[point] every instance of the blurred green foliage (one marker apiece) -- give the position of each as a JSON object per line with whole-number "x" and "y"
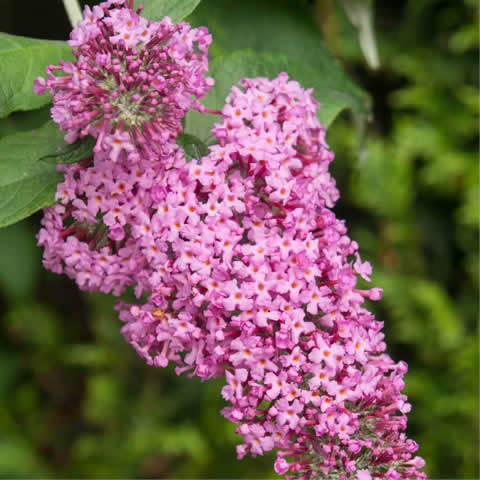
{"x": 76, "y": 401}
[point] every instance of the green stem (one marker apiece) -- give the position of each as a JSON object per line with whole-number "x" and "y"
{"x": 73, "y": 10}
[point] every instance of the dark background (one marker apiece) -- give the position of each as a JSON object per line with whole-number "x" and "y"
{"x": 76, "y": 400}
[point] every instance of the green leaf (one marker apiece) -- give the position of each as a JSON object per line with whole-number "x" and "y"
{"x": 73, "y": 152}
{"x": 264, "y": 25}
{"x": 28, "y": 175}
{"x": 175, "y": 9}
{"x": 19, "y": 262}
{"x": 334, "y": 94}
{"x": 19, "y": 459}
{"x": 24, "y": 121}
{"x": 36, "y": 324}
{"x": 22, "y": 60}
{"x": 280, "y": 26}
{"x": 192, "y": 146}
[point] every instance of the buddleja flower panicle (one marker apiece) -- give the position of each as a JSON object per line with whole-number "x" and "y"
{"x": 259, "y": 286}
{"x": 132, "y": 82}
{"x": 92, "y": 234}
{"x": 250, "y": 275}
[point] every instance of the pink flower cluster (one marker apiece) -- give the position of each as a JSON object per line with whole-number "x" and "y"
{"x": 96, "y": 233}
{"x": 132, "y": 82}
{"x": 260, "y": 286}
{"x": 249, "y": 273}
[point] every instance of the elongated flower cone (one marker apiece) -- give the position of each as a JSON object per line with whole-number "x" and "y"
{"x": 259, "y": 285}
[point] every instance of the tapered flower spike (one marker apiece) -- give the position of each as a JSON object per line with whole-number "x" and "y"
{"x": 260, "y": 287}
{"x": 251, "y": 275}
{"x": 132, "y": 81}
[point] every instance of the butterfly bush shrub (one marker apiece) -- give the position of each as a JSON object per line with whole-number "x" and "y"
{"x": 241, "y": 268}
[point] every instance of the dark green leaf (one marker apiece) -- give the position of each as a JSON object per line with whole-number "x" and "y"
{"x": 21, "y": 61}
{"x": 36, "y": 324}
{"x": 265, "y": 25}
{"x": 28, "y": 175}
{"x": 24, "y": 121}
{"x": 75, "y": 152}
{"x": 333, "y": 94}
{"x": 19, "y": 261}
{"x": 192, "y": 146}
{"x": 175, "y": 9}
{"x": 9, "y": 369}
{"x": 286, "y": 27}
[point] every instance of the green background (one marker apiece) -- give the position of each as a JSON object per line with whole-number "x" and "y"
{"x": 76, "y": 400}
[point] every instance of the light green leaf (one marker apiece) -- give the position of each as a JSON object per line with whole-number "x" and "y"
{"x": 28, "y": 175}
{"x": 22, "y": 60}
{"x": 192, "y": 146}
{"x": 177, "y": 10}
{"x": 19, "y": 459}
{"x": 333, "y": 93}
{"x": 432, "y": 301}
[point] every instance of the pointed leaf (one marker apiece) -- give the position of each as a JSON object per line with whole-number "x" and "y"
{"x": 74, "y": 152}
{"x": 287, "y": 28}
{"x": 282, "y": 26}
{"x": 28, "y": 174}
{"x": 24, "y": 121}
{"x": 192, "y": 146}
{"x": 22, "y": 60}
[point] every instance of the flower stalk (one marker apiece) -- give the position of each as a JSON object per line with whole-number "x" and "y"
{"x": 74, "y": 12}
